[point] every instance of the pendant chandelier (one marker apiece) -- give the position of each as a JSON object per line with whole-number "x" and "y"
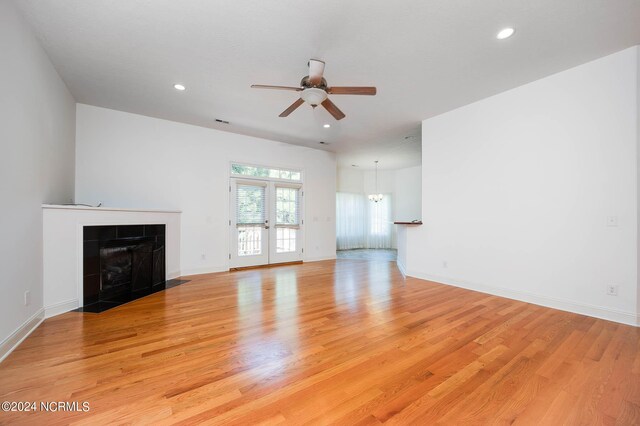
{"x": 377, "y": 196}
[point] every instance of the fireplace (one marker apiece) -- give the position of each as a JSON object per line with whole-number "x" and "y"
{"x": 121, "y": 263}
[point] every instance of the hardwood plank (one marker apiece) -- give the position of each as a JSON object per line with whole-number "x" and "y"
{"x": 332, "y": 342}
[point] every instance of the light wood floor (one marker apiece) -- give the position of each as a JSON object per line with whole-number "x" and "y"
{"x": 347, "y": 342}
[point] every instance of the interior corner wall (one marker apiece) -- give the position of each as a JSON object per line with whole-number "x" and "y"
{"x": 520, "y": 191}
{"x": 37, "y": 118}
{"x": 129, "y": 160}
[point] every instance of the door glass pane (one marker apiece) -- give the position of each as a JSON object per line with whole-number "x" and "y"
{"x": 250, "y": 200}
{"x": 285, "y": 240}
{"x": 249, "y": 240}
{"x": 250, "y": 218}
{"x": 287, "y": 206}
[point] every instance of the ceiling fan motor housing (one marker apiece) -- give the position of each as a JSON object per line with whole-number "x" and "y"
{"x": 305, "y": 83}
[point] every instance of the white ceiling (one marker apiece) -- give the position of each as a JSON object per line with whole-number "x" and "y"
{"x": 425, "y": 56}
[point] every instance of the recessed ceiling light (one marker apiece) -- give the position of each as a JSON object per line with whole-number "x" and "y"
{"x": 505, "y": 33}
{"x": 179, "y": 86}
{"x": 326, "y": 126}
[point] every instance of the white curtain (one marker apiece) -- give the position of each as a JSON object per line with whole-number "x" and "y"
{"x": 351, "y": 213}
{"x": 379, "y": 223}
{"x": 361, "y": 223}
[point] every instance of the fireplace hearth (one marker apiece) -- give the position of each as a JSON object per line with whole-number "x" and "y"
{"x": 121, "y": 263}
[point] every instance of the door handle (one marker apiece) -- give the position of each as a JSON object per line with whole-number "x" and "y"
{"x": 266, "y": 227}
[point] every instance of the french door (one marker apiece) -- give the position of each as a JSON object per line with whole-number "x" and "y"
{"x": 265, "y": 222}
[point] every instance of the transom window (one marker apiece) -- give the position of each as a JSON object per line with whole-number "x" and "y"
{"x": 266, "y": 172}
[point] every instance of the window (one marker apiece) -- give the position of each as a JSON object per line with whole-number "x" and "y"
{"x": 287, "y": 218}
{"x": 265, "y": 172}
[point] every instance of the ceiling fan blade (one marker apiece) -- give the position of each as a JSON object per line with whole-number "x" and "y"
{"x": 264, "y": 86}
{"x": 292, "y": 108}
{"x": 333, "y": 109}
{"x": 316, "y": 70}
{"x": 352, "y": 90}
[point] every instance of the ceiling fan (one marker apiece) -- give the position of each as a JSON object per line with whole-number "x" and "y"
{"x": 314, "y": 91}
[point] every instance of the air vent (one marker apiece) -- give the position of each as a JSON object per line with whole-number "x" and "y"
{"x": 323, "y": 143}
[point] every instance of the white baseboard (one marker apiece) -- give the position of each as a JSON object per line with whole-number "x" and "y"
{"x": 319, "y": 259}
{"x": 629, "y": 318}
{"x": 172, "y": 275}
{"x": 60, "y": 308}
{"x": 10, "y": 343}
{"x": 200, "y": 271}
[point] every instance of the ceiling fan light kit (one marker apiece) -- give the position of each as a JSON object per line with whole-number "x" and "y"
{"x": 314, "y": 90}
{"x": 313, "y": 96}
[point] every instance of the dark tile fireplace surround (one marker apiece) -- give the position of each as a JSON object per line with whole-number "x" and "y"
{"x": 121, "y": 263}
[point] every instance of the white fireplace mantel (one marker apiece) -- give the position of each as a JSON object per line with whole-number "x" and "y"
{"x": 62, "y": 247}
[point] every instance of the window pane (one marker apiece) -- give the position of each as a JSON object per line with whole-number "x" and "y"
{"x": 262, "y": 171}
{"x": 286, "y": 240}
{"x": 267, "y": 172}
{"x": 287, "y": 207}
{"x": 285, "y": 174}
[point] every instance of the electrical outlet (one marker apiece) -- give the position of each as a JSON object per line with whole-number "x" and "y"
{"x": 203, "y": 256}
{"x": 612, "y": 289}
{"x": 612, "y": 221}
{"x": 445, "y": 264}
{"x": 27, "y": 298}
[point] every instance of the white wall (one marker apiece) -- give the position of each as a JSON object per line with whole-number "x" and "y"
{"x": 407, "y": 202}
{"x": 37, "y": 121}
{"x": 517, "y": 189}
{"x": 386, "y": 182}
{"x": 128, "y": 160}
{"x": 350, "y": 180}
